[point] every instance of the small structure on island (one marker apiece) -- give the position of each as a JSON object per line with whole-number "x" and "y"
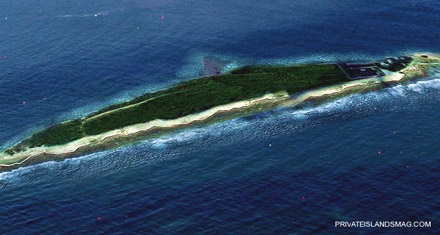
{"x": 356, "y": 71}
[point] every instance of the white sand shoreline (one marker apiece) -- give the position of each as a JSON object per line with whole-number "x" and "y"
{"x": 72, "y": 147}
{"x": 280, "y": 98}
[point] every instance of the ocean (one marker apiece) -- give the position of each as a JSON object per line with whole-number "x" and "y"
{"x": 365, "y": 157}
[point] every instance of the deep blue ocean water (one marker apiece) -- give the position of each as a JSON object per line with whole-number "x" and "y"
{"x": 283, "y": 171}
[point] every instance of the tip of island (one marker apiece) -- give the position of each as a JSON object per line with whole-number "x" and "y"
{"x": 209, "y": 99}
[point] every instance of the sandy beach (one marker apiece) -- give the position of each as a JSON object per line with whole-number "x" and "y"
{"x": 72, "y": 147}
{"x": 282, "y": 98}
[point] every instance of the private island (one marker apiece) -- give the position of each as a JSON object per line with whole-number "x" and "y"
{"x": 209, "y": 99}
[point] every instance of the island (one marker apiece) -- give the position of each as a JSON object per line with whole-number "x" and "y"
{"x": 204, "y": 100}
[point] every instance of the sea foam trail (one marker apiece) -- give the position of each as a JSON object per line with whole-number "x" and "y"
{"x": 88, "y": 15}
{"x": 257, "y": 127}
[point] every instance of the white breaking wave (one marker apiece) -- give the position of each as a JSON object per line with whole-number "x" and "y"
{"x": 228, "y": 132}
{"x": 96, "y": 14}
{"x": 184, "y": 136}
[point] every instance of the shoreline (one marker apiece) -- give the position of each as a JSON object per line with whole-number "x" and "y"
{"x": 82, "y": 145}
{"x": 118, "y": 137}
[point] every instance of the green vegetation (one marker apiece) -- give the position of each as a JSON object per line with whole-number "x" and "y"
{"x": 191, "y": 97}
{"x": 58, "y": 134}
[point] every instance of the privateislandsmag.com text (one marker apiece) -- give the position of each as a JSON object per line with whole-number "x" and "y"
{"x": 382, "y": 224}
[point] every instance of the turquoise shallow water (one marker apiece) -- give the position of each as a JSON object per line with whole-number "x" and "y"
{"x": 323, "y": 163}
